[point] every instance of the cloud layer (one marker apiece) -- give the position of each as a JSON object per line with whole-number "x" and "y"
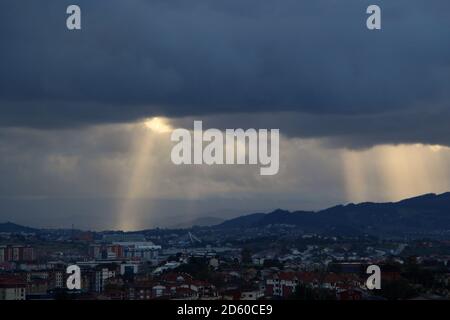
{"x": 140, "y": 58}
{"x": 121, "y": 176}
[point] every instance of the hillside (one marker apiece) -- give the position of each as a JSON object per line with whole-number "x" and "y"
{"x": 428, "y": 213}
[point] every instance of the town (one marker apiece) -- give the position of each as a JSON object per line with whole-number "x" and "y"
{"x": 273, "y": 262}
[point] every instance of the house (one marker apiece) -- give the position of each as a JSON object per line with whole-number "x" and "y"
{"x": 13, "y": 288}
{"x": 281, "y": 284}
{"x": 254, "y": 294}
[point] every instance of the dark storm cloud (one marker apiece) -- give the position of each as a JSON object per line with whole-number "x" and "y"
{"x": 176, "y": 58}
{"x": 348, "y": 131}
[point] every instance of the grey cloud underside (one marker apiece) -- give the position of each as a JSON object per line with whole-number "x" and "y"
{"x": 348, "y": 131}
{"x": 312, "y": 59}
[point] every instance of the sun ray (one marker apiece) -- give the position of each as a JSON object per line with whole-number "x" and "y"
{"x": 142, "y": 173}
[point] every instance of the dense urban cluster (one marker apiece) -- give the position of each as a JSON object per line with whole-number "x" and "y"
{"x": 203, "y": 263}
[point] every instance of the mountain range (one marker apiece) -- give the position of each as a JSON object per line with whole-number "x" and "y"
{"x": 429, "y": 213}
{"x": 425, "y": 214}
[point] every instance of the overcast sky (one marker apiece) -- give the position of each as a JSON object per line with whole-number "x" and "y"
{"x": 364, "y": 115}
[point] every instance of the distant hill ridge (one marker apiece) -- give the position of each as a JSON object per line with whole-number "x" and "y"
{"x": 426, "y": 213}
{"x": 10, "y": 227}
